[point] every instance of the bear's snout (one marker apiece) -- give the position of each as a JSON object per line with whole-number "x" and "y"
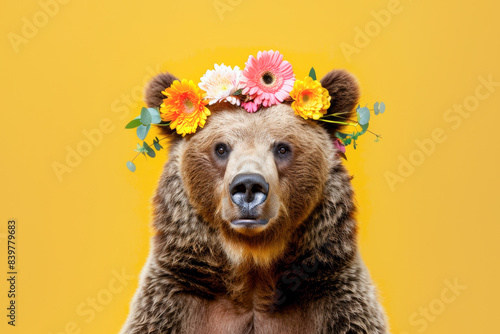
{"x": 248, "y": 191}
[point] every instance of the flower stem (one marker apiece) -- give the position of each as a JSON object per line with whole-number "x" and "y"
{"x": 338, "y": 122}
{"x": 355, "y": 124}
{"x": 135, "y": 157}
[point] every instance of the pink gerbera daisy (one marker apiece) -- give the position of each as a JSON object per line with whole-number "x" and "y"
{"x": 250, "y": 106}
{"x": 268, "y": 78}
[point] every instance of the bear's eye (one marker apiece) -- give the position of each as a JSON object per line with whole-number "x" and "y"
{"x": 282, "y": 151}
{"x": 221, "y": 150}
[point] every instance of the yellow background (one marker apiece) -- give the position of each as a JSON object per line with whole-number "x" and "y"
{"x": 87, "y": 62}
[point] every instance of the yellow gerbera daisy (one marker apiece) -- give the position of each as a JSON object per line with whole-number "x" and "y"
{"x": 184, "y": 107}
{"x": 311, "y": 100}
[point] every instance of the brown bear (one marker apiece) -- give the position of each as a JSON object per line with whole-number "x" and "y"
{"x": 255, "y": 228}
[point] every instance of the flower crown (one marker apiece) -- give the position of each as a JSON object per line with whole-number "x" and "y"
{"x": 266, "y": 80}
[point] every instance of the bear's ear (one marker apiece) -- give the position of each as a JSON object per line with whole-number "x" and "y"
{"x": 344, "y": 91}
{"x": 154, "y": 98}
{"x": 152, "y": 94}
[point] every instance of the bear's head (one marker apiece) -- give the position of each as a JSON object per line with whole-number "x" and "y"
{"x": 256, "y": 177}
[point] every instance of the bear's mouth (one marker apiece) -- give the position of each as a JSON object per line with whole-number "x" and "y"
{"x": 249, "y": 223}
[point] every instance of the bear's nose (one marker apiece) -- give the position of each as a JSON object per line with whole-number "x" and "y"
{"x": 248, "y": 190}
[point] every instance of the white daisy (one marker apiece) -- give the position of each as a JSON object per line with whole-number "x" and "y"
{"x": 221, "y": 83}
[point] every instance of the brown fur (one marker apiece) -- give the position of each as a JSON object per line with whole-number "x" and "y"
{"x": 344, "y": 91}
{"x": 153, "y": 93}
{"x": 304, "y": 177}
{"x": 301, "y": 273}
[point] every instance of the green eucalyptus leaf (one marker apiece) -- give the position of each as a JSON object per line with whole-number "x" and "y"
{"x": 145, "y": 116}
{"x": 133, "y": 124}
{"x": 363, "y": 115}
{"x": 238, "y": 92}
{"x": 312, "y": 73}
{"x": 149, "y": 150}
{"x": 375, "y": 108}
{"x": 157, "y": 145}
{"x": 155, "y": 115}
{"x": 340, "y": 135}
{"x": 382, "y": 107}
{"x": 131, "y": 166}
{"x": 364, "y": 127}
{"x": 142, "y": 131}
{"x": 140, "y": 149}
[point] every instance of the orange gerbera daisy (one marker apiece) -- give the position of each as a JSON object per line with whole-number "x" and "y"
{"x": 184, "y": 107}
{"x": 311, "y": 100}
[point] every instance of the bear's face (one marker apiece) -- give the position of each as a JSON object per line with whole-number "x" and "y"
{"x": 256, "y": 176}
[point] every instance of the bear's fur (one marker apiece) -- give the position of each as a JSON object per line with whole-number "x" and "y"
{"x": 300, "y": 273}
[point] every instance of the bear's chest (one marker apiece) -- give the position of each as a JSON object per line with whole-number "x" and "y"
{"x": 222, "y": 316}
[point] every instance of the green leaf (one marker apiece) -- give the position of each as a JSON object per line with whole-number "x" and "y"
{"x": 149, "y": 150}
{"x": 312, "y": 73}
{"x": 375, "y": 108}
{"x": 382, "y": 107}
{"x": 155, "y": 115}
{"x": 133, "y": 124}
{"x": 238, "y": 92}
{"x": 131, "y": 166}
{"x": 364, "y": 127}
{"x": 145, "y": 116}
{"x": 142, "y": 131}
{"x": 140, "y": 149}
{"x": 157, "y": 145}
{"x": 341, "y": 135}
{"x": 363, "y": 115}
